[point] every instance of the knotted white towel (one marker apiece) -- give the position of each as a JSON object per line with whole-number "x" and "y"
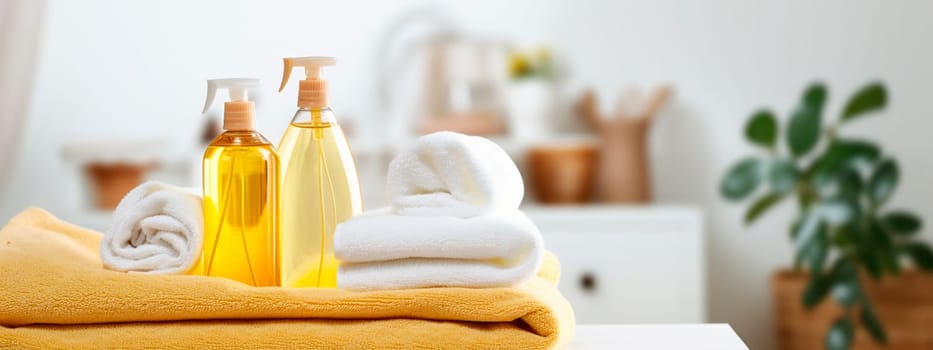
{"x": 156, "y": 229}
{"x": 452, "y": 174}
{"x": 381, "y": 250}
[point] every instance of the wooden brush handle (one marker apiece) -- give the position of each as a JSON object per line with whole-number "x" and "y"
{"x": 657, "y": 101}
{"x": 588, "y": 108}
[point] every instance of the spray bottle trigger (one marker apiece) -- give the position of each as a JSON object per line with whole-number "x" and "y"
{"x": 311, "y": 64}
{"x": 238, "y": 89}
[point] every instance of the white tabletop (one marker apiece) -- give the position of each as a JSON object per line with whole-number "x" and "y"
{"x": 657, "y": 337}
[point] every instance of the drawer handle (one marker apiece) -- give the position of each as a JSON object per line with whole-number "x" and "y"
{"x": 588, "y": 282}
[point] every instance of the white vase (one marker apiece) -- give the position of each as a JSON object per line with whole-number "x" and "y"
{"x": 531, "y": 104}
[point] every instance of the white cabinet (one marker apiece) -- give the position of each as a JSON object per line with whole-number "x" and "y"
{"x": 628, "y": 264}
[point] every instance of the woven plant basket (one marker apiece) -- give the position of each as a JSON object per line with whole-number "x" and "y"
{"x": 904, "y": 305}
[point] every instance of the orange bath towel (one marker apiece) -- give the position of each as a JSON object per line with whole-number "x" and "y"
{"x": 55, "y": 294}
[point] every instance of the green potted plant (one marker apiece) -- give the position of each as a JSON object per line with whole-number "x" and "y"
{"x": 846, "y": 240}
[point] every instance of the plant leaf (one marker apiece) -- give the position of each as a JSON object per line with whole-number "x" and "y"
{"x": 839, "y": 210}
{"x": 846, "y": 291}
{"x": 878, "y": 234}
{"x": 803, "y": 129}
{"x": 845, "y": 152}
{"x": 814, "y": 252}
{"x": 869, "y": 98}
{"x": 792, "y": 232}
{"x": 761, "y": 129}
{"x": 741, "y": 179}
{"x": 901, "y": 222}
{"x": 761, "y": 205}
{"x": 850, "y": 183}
{"x": 795, "y": 226}
{"x": 891, "y": 262}
{"x": 843, "y": 268}
{"x": 872, "y": 323}
{"x": 879, "y": 250}
{"x": 804, "y": 126}
{"x": 815, "y": 95}
{"x": 883, "y": 180}
{"x": 840, "y": 237}
{"x": 841, "y": 157}
{"x": 867, "y": 251}
{"x": 782, "y": 175}
{"x": 816, "y": 290}
{"x": 806, "y": 230}
{"x": 817, "y": 250}
{"x": 921, "y": 254}
{"x": 872, "y": 264}
{"x": 840, "y": 334}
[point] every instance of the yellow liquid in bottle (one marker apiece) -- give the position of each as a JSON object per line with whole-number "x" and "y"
{"x": 320, "y": 189}
{"x": 241, "y": 224}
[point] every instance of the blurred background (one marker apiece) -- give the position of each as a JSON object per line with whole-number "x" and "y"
{"x": 623, "y": 115}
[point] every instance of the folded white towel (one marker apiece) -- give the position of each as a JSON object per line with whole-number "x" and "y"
{"x": 156, "y": 229}
{"x": 381, "y": 250}
{"x": 452, "y": 174}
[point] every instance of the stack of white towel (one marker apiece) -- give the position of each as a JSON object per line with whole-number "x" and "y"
{"x": 453, "y": 222}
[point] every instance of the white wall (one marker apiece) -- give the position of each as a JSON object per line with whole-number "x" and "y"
{"x": 139, "y": 67}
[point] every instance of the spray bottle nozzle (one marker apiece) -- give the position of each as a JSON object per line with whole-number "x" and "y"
{"x": 239, "y": 112}
{"x": 311, "y": 64}
{"x": 312, "y": 91}
{"x": 238, "y": 88}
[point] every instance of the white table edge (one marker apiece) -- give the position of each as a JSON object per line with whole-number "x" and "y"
{"x": 705, "y": 336}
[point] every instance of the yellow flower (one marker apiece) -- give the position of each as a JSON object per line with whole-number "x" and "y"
{"x": 519, "y": 65}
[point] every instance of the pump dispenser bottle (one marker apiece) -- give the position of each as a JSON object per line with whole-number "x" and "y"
{"x": 320, "y": 187}
{"x": 240, "y": 182}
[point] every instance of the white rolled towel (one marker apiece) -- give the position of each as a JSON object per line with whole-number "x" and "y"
{"x": 452, "y": 174}
{"x": 381, "y": 250}
{"x": 156, "y": 229}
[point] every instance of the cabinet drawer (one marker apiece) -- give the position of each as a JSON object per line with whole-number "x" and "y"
{"x": 621, "y": 268}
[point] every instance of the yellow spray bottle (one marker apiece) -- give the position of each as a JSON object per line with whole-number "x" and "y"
{"x": 320, "y": 187}
{"x": 240, "y": 180}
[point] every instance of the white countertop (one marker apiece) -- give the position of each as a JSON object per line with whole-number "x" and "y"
{"x": 657, "y": 337}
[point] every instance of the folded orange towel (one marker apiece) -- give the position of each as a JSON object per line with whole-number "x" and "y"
{"x": 55, "y": 294}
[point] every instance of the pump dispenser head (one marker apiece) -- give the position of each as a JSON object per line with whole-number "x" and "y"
{"x": 240, "y": 111}
{"x": 312, "y": 91}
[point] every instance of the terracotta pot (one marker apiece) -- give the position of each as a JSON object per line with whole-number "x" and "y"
{"x": 904, "y": 305}
{"x": 562, "y": 174}
{"x": 112, "y": 181}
